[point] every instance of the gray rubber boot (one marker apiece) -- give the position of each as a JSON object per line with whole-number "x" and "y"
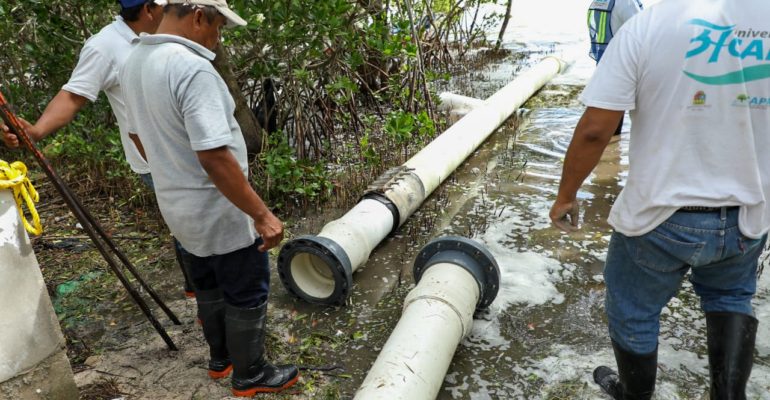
{"x": 252, "y": 374}
{"x": 730, "y": 339}
{"x": 211, "y": 312}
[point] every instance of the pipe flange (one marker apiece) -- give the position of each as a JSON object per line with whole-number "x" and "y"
{"x": 465, "y": 253}
{"x": 333, "y": 258}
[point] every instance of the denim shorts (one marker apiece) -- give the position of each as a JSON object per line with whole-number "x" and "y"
{"x": 643, "y": 273}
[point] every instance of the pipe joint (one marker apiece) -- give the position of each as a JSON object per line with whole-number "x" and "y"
{"x": 401, "y": 190}
{"x": 467, "y": 254}
{"x": 408, "y": 193}
{"x": 316, "y": 269}
{"x": 389, "y": 204}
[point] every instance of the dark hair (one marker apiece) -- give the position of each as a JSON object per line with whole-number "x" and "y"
{"x": 131, "y": 14}
{"x": 182, "y": 10}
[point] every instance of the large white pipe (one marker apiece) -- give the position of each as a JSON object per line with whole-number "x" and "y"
{"x": 454, "y": 277}
{"x": 462, "y": 138}
{"x": 33, "y": 358}
{"x": 308, "y": 265}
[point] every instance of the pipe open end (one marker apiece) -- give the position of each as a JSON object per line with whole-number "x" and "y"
{"x": 465, "y": 253}
{"x": 316, "y": 269}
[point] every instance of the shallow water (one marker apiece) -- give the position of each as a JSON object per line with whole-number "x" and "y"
{"x": 546, "y": 331}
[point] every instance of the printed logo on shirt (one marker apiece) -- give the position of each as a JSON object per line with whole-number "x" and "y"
{"x": 699, "y": 99}
{"x": 716, "y": 41}
{"x": 699, "y": 102}
{"x": 744, "y": 100}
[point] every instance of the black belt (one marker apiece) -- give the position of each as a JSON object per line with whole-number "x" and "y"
{"x": 702, "y": 209}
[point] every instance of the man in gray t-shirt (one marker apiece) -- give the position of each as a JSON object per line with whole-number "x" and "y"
{"x": 197, "y": 158}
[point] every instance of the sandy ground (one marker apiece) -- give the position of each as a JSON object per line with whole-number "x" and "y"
{"x": 142, "y": 367}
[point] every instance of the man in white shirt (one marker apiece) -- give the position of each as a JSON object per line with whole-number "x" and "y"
{"x": 97, "y": 71}
{"x": 184, "y": 114}
{"x": 695, "y": 76}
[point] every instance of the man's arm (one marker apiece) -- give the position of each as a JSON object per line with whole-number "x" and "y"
{"x": 59, "y": 112}
{"x": 592, "y": 134}
{"x": 224, "y": 171}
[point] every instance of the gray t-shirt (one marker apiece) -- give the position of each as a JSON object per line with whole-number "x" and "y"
{"x": 172, "y": 89}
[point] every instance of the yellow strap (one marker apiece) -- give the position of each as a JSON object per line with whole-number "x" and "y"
{"x": 14, "y": 176}
{"x": 602, "y": 36}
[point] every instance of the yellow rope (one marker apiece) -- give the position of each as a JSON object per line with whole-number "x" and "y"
{"x": 14, "y": 176}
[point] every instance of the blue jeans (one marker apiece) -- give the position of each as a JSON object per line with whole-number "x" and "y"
{"x": 643, "y": 273}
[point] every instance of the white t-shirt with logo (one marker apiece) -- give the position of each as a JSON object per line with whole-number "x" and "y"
{"x": 180, "y": 105}
{"x": 695, "y": 75}
{"x": 97, "y": 70}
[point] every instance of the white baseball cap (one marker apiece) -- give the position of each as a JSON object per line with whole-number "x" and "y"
{"x": 221, "y": 5}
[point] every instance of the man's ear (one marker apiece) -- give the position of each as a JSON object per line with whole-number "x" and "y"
{"x": 198, "y": 16}
{"x": 147, "y": 9}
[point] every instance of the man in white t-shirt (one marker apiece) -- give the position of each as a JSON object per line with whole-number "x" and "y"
{"x": 184, "y": 114}
{"x": 695, "y": 76}
{"x": 97, "y": 71}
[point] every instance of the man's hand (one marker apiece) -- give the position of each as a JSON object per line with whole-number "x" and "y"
{"x": 565, "y": 215}
{"x": 10, "y": 139}
{"x": 271, "y": 230}
{"x": 592, "y": 133}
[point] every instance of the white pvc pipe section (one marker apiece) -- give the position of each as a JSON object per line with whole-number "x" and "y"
{"x": 438, "y": 314}
{"x": 355, "y": 238}
{"x": 457, "y": 105}
{"x": 456, "y": 143}
{"x": 452, "y": 101}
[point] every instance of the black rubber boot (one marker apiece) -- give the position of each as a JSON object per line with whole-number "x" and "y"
{"x": 635, "y": 379}
{"x": 608, "y": 380}
{"x": 189, "y": 289}
{"x": 211, "y": 313}
{"x": 252, "y": 374}
{"x": 730, "y": 339}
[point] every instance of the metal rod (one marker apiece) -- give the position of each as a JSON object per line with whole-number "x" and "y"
{"x": 89, "y": 225}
